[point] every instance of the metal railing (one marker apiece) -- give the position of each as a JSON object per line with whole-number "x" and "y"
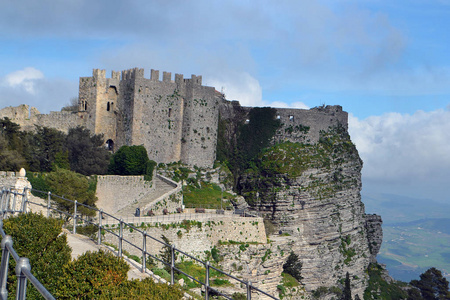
{"x": 102, "y": 220}
{"x": 23, "y": 268}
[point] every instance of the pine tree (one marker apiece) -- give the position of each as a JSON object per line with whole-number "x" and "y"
{"x": 347, "y": 292}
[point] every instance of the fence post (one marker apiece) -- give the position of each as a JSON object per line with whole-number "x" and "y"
{"x": 100, "y": 216}
{"x": 2, "y": 198}
{"x": 120, "y": 237}
{"x": 172, "y": 266}
{"x": 8, "y": 199}
{"x": 249, "y": 290}
{"x": 48, "y": 204}
{"x": 75, "y": 217}
{"x": 4, "y": 265}
{"x": 207, "y": 281}
{"x": 144, "y": 250}
{"x": 13, "y": 210}
{"x": 24, "y": 200}
{"x": 22, "y": 264}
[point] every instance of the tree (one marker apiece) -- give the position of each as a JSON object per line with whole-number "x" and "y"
{"x": 11, "y": 145}
{"x": 12, "y": 133}
{"x": 10, "y": 160}
{"x": 72, "y": 186}
{"x": 166, "y": 253}
{"x": 42, "y": 147}
{"x": 72, "y": 106}
{"x": 432, "y": 285}
{"x": 293, "y": 266}
{"x": 87, "y": 154}
{"x": 347, "y": 292}
{"x": 131, "y": 160}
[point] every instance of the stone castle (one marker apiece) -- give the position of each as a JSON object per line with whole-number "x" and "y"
{"x": 175, "y": 120}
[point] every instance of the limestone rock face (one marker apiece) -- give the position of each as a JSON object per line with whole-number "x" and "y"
{"x": 374, "y": 234}
{"x": 312, "y": 193}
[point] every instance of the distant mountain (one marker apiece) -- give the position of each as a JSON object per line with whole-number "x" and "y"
{"x": 397, "y": 209}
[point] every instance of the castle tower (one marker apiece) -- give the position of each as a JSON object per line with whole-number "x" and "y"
{"x": 175, "y": 120}
{"x": 98, "y": 104}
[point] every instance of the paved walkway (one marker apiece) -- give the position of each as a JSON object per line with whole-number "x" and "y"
{"x": 81, "y": 244}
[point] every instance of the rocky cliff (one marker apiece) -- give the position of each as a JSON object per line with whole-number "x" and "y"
{"x": 311, "y": 192}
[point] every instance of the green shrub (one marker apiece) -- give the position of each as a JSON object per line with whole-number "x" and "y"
{"x": 40, "y": 240}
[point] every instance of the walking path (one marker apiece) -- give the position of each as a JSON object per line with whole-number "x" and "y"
{"x": 81, "y": 244}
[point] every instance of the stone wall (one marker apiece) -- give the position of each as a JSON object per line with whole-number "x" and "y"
{"x": 297, "y": 125}
{"x": 28, "y": 117}
{"x": 168, "y": 202}
{"x": 200, "y": 237}
{"x": 117, "y": 192}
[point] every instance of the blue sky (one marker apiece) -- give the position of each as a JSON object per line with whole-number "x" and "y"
{"x": 386, "y": 62}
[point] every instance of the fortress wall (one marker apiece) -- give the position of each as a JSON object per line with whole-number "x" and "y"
{"x": 297, "y": 125}
{"x": 200, "y": 125}
{"x": 304, "y": 126}
{"x": 198, "y": 238}
{"x": 17, "y": 113}
{"x": 157, "y": 117}
{"x": 61, "y": 120}
{"x": 116, "y": 192}
{"x": 28, "y": 117}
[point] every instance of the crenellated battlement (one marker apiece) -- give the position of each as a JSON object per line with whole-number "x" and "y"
{"x": 137, "y": 73}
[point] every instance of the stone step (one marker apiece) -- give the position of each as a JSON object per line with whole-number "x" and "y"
{"x": 160, "y": 188}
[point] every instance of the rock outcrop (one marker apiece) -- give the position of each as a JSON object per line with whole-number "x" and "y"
{"x": 311, "y": 192}
{"x": 374, "y": 234}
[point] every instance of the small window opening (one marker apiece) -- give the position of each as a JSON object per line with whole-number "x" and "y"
{"x": 170, "y": 112}
{"x": 278, "y": 117}
{"x": 107, "y": 106}
{"x": 291, "y": 118}
{"x": 85, "y": 105}
{"x": 247, "y": 121}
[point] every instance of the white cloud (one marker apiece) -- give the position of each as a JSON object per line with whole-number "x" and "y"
{"x": 25, "y": 79}
{"x": 409, "y": 150}
{"x": 239, "y": 86}
{"x": 29, "y": 86}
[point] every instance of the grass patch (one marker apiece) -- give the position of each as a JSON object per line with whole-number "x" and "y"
{"x": 207, "y": 195}
{"x": 288, "y": 281}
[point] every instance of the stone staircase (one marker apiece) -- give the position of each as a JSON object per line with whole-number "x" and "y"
{"x": 160, "y": 188}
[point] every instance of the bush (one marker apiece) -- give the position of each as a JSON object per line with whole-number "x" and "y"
{"x": 40, "y": 240}
{"x": 88, "y": 276}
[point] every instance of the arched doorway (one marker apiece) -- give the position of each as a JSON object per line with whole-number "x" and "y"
{"x": 110, "y": 145}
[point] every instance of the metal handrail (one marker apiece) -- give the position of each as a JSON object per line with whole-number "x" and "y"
{"x": 23, "y": 268}
{"x": 142, "y": 249}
